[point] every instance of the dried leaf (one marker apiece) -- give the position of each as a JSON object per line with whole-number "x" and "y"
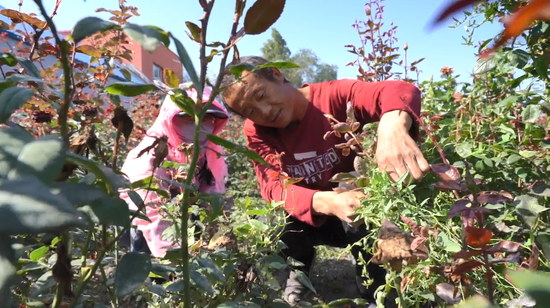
{"x": 534, "y": 258}
{"x": 342, "y": 128}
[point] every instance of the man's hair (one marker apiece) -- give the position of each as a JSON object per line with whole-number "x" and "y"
{"x": 228, "y": 78}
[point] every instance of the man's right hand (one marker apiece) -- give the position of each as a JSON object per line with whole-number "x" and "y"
{"x": 341, "y": 205}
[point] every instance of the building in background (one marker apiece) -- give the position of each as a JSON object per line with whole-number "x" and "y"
{"x": 151, "y": 65}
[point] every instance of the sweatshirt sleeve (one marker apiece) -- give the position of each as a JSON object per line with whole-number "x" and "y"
{"x": 298, "y": 199}
{"x": 371, "y": 100}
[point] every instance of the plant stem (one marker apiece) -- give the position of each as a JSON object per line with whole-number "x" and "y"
{"x": 64, "y": 110}
{"x": 82, "y": 285}
{"x": 489, "y": 276}
{"x": 116, "y": 145}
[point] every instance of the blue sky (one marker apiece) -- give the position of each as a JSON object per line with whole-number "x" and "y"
{"x": 320, "y": 25}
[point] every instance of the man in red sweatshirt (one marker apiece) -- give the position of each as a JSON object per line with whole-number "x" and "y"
{"x": 281, "y": 118}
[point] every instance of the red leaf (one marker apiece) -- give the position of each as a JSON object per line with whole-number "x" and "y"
{"x": 491, "y": 197}
{"x": 521, "y": 20}
{"x": 466, "y": 267}
{"x": 478, "y": 237}
{"x": 450, "y": 185}
{"x": 458, "y": 207}
{"x": 446, "y": 172}
{"x": 505, "y": 246}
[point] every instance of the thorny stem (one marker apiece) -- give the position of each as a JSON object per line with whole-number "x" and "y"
{"x": 39, "y": 33}
{"x": 91, "y": 273}
{"x": 64, "y": 111}
{"x": 198, "y": 119}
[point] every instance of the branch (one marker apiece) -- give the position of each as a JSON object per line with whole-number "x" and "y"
{"x": 39, "y": 33}
{"x": 64, "y": 111}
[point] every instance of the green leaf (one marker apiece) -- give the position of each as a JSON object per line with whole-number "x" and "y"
{"x": 211, "y": 268}
{"x": 148, "y": 37}
{"x": 201, "y": 281}
{"x": 262, "y": 15}
{"x": 528, "y": 154}
{"x": 114, "y": 180}
{"x": 42, "y": 285}
{"x": 42, "y": 158}
{"x": 509, "y": 101}
{"x": 128, "y": 88}
{"x": 89, "y": 26}
{"x": 238, "y": 69}
{"x": 304, "y": 280}
{"x": 12, "y": 141}
{"x": 535, "y": 284}
{"x": 519, "y": 58}
{"x": 29, "y": 66}
{"x": 25, "y": 78}
{"x": 528, "y": 208}
{"x": 8, "y": 59}
{"x": 280, "y": 64}
{"x": 38, "y": 253}
{"x": 12, "y": 99}
{"x": 476, "y": 301}
{"x": 28, "y": 206}
{"x": 530, "y": 113}
{"x": 8, "y": 271}
{"x": 78, "y": 193}
{"x": 464, "y": 150}
{"x": 484, "y": 66}
{"x": 541, "y": 189}
{"x": 195, "y": 31}
{"x": 187, "y": 64}
{"x": 232, "y": 146}
{"x": 450, "y": 245}
{"x": 176, "y": 286}
{"x": 275, "y": 262}
{"x": 163, "y": 35}
{"x": 512, "y": 159}
{"x": 132, "y": 270}
{"x": 108, "y": 211}
{"x": 184, "y": 102}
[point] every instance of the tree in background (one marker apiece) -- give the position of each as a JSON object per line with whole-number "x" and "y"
{"x": 311, "y": 68}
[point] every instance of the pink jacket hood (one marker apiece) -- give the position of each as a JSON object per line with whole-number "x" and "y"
{"x": 140, "y": 168}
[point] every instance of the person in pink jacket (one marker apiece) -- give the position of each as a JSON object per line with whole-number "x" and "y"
{"x": 179, "y": 127}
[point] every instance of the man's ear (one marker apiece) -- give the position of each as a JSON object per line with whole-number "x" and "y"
{"x": 277, "y": 74}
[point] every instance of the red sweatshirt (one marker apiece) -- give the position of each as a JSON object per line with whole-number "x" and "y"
{"x": 307, "y": 154}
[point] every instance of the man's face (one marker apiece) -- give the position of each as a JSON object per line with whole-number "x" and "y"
{"x": 264, "y": 102}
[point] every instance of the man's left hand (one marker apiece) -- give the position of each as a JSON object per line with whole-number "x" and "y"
{"x": 396, "y": 151}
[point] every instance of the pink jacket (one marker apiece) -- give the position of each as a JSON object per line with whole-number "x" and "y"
{"x": 140, "y": 168}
